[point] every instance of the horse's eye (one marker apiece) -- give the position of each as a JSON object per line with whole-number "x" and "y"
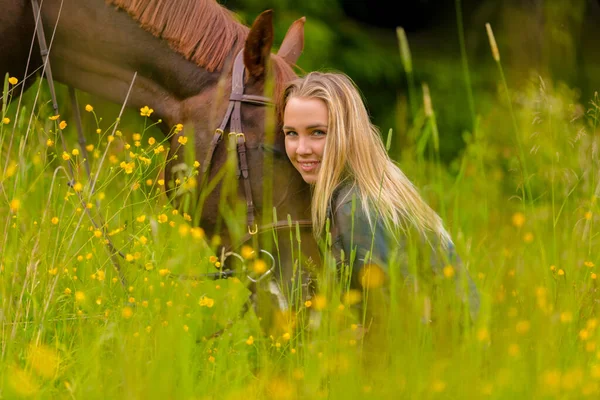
{"x": 272, "y": 149}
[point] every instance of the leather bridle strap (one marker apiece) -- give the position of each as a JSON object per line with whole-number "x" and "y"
{"x": 233, "y": 118}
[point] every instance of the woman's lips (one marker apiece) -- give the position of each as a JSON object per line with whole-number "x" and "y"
{"x": 309, "y": 166}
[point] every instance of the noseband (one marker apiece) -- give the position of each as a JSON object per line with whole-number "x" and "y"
{"x": 233, "y": 118}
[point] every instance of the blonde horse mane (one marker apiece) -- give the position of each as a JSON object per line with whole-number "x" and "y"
{"x": 202, "y": 31}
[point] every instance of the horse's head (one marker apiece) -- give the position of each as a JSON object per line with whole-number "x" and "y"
{"x": 243, "y": 119}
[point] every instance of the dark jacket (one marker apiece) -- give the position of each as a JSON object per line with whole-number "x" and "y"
{"x": 356, "y": 243}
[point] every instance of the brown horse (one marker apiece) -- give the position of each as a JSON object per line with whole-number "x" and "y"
{"x": 183, "y": 53}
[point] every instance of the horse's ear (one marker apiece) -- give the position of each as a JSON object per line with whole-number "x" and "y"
{"x": 258, "y": 44}
{"x": 293, "y": 43}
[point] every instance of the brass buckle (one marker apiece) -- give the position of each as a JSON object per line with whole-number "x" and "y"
{"x": 253, "y": 231}
{"x": 240, "y": 134}
{"x": 219, "y": 131}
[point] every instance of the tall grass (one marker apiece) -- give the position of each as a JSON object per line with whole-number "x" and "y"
{"x": 72, "y": 329}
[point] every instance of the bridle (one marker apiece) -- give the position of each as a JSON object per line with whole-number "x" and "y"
{"x": 233, "y": 118}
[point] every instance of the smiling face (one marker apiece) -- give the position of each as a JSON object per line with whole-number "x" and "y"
{"x": 305, "y": 122}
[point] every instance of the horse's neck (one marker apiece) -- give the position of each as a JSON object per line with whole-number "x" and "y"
{"x": 97, "y": 49}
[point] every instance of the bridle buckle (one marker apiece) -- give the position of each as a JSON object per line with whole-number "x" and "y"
{"x": 253, "y": 230}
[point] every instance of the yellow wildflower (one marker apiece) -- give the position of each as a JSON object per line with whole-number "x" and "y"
{"x": 6, "y": 120}
{"x": 49, "y": 142}
{"x": 566, "y": 317}
{"x": 259, "y": 267}
{"x": 247, "y": 252}
{"x": 126, "y": 312}
{"x": 522, "y": 327}
{"x": 162, "y": 218}
{"x": 79, "y": 296}
{"x": 351, "y": 297}
{"x": 178, "y": 128}
{"x": 151, "y": 140}
{"x": 54, "y": 117}
{"x": 146, "y": 111}
{"x": 371, "y": 276}
{"x": 12, "y": 80}
{"x": 15, "y": 204}
{"x": 448, "y": 271}
{"x": 483, "y": 334}
{"x": 75, "y": 152}
{"x": 89, "y": 108}
{"x": 127, "y": 167}
{"x": 518, "y": 219}
{"x": 62, "y": 125}
{"x": 206, "y": 302}
{"x": 182, "y": 139}
{"x": 43, "y": 360}
{"x": 250, "y": 341}
{"x": 22, "y": 382}
{"x": 319, "y": 302}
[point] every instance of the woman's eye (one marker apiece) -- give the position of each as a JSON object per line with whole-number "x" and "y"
{"x": 319, "y": 133}
{"x": 290, "y": 133}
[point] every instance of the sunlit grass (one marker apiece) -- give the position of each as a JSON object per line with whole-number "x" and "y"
{"x": 75, "y": 326}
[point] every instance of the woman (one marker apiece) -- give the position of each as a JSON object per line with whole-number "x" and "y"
{"x": 377, "y": 217}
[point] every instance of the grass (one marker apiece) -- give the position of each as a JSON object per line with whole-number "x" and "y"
{"x": 72, "y": 329}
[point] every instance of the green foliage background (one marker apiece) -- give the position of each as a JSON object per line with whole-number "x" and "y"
{"x": 554, "y": 39}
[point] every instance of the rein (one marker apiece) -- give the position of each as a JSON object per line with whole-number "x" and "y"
{"x": 232, "y": 118}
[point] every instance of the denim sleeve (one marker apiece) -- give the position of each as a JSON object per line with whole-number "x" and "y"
{"x": 362, "y": 243}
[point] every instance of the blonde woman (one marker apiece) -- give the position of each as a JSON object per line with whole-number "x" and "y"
{"x": 376, "y": 215}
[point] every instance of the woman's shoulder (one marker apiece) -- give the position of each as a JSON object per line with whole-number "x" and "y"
{"x": 343, "y": 195}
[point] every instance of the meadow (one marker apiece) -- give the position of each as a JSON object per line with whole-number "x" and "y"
{"x": 520, "y": 203}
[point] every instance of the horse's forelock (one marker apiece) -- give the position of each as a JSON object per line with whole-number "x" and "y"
{"x": 202, "y": 31}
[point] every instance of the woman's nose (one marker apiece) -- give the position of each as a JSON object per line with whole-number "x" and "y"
{"x": 304, "y": 146}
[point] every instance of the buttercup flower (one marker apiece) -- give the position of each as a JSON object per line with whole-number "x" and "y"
{"x": 146, "y": 111}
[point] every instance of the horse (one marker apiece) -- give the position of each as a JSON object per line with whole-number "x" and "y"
{"x": 186, "y": 54}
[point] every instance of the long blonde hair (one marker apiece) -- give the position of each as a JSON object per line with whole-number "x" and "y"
{"x": 354, "y": 153}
